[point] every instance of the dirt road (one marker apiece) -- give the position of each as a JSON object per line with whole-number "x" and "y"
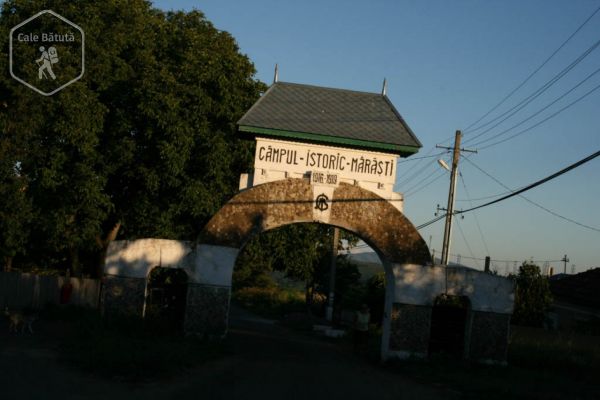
{"x": 263, "y": 361}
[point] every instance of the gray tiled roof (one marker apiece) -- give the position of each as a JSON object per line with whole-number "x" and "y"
{"x": 336, "y": 113}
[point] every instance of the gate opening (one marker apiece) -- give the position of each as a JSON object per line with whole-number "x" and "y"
{"x": 166, "y": 298}
{"x": 449, "y": 318}
{"x": 287, "y": 273}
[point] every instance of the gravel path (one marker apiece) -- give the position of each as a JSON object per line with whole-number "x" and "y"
{"x": 263, "y": 361}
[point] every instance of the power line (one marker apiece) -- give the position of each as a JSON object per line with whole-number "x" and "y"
{"x": 527, "y": 100}
{"x": 533, "y": 202}
{"x": 544, "y": 120}
{"x": 485, "y": 197}
{"x": 418, "y": 162}
{"x": 405, "y": 181}
{"x": 535, "y": 184}
{"x": 535, "y": 71}
{"x": 540, "y": 110}
{"x": 462, "y": 233}
{"x": 475, "y": 258}
{"x": 433, "y": 221}
{"x": 423, "y": 157}
{"x": 516, "y": 193}
{"x": 475, "y": 214}
{"x": 504, "y": 261}
{"x": 416, "y": 190}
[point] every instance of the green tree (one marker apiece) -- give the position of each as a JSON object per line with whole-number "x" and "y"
{"x": 303, "y": 252}
{"x": 532, "y": 295}
{"x": 15, "y": 214}
{"x": 144, "y": 145}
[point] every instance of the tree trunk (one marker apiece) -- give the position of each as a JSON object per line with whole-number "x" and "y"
{"x": 8, "y": 263}
{"x": 103, "y": 247}
{"x": 75, "y": 266}
{"x": 309, "y": 297}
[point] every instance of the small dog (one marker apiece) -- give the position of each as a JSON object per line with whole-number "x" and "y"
{"x": 18, "y": 319}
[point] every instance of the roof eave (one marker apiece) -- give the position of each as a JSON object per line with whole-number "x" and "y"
{"x": 401, "y": 150}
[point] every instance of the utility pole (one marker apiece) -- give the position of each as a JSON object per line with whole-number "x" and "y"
{"x": 450, "y": 208}
{"x": 565, "y": 260}
{"x": 336, "y": 236}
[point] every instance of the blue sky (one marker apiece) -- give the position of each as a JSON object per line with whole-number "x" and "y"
{"x": 447, "y": 63}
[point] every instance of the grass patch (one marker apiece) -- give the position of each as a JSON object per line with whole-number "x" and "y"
{"x": 541, "y": 365}
{"x": 555, "y": 351}
{"x": 129, "y": 348}
{"x": 271, "y": 302}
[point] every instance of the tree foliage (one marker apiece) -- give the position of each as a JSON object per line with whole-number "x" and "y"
{"x": 303, "y": 253}
{"x": 532, "y": 295}
{"x": 144, "y": 142}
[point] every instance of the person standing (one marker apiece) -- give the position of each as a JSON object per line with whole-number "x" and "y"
{"x": 361, "y": 329}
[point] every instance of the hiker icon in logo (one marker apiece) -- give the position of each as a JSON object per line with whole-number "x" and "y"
{"x": 47, "y": 59}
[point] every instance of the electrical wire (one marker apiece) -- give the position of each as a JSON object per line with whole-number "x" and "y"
{"x": 430, "y": 222}
{"x": 417, "y": 188}
{"x": 535, "y": 184}
{"x": 527, "y": 100}
{"x": 539, "y": 111}
{"x": 535, "y": 71}
{"x": 544, "y": 120}
{"x": 462, "y": 179}
{"x": 407, "y": 180}
{"x": 533, "y": 202}
{"x": 500, "y": 261}
{"x": 462, "y": 233}
{"x": 420, "y": 160}
{"x": 517, "y": 192}
{"x": 423, "y": 157}
{"x": 485, "y": 197}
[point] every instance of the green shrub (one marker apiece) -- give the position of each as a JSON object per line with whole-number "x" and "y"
{"x": 561, "y": 351}
{"x": 270, "y": 301}
{"x": 532, "y": 296}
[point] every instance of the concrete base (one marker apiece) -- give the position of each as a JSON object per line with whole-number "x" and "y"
{"x": 207, "y": 310}
{"x": 410, "y": 327}
{"x": 122, "y": 295}
{"x": 489, "y": 337}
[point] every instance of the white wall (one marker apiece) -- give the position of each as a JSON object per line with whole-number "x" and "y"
{"x": 420, "y": 285}
{"x": 135, "y": 258}
{"x": 207, "y": 264}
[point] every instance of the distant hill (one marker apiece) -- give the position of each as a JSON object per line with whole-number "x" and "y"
{"x": 582, "y": 288}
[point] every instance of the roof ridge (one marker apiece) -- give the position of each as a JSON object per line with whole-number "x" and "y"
{"x": 328, "y": 88}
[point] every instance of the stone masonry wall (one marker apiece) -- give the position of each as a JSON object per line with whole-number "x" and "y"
{"x": 489, "y": 337}
{"x": 121, "y": 295}
{"x": 207, "y": 310}
{"x": 410, "y": 329}
{"x": 288, "y": 201}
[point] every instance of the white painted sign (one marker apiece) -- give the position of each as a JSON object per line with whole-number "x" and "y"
{"x": 327, "y": 165}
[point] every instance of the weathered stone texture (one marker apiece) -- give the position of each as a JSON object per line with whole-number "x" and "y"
{"x": 288, "y": 201}
{"x": 379, "y": 223}
{"x": 374, "y": 219}
{"x": 122, "y": 295}
{"x": 489, "y": 336}
{"x": 410, "y": 328}
{"x": 207, "y": 310}
{"x": 257, "y": 209}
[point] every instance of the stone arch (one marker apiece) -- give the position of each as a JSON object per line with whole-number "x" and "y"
{"x": 289, "y": 201}
{"x": 275, "y": 204}
{"x": 412, "y": 283}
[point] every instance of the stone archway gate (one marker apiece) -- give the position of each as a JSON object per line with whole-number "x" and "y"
{"x": 412, "y": 282}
